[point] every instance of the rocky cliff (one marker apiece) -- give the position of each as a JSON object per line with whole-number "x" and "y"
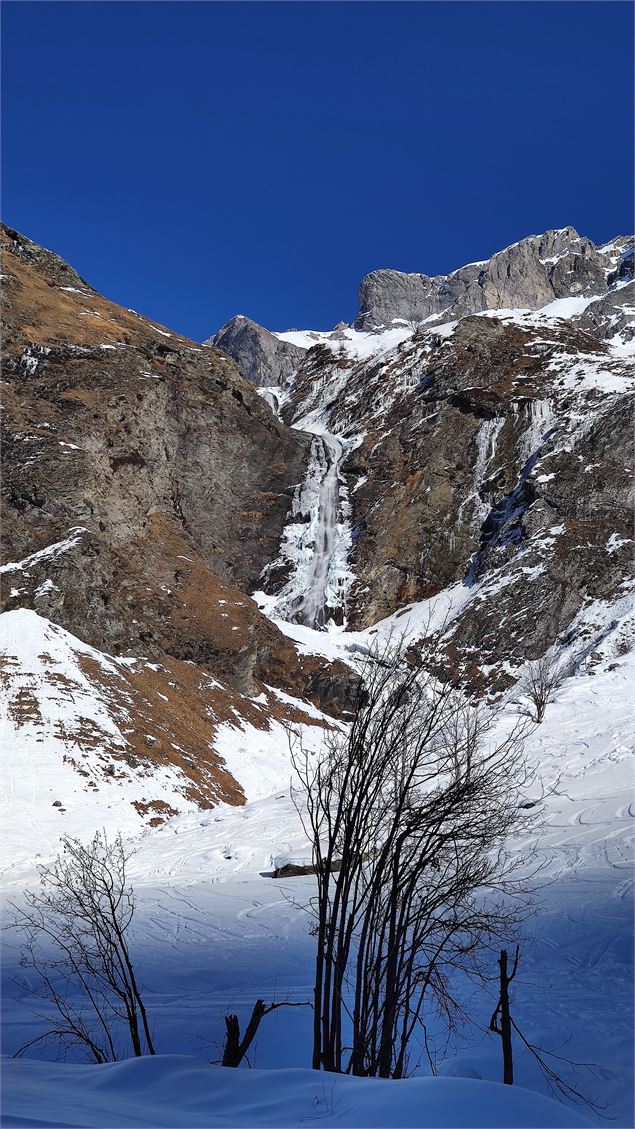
{"x": 145, "y": 486}
{"x": 528, "y": 274}
{"x": 488, "y": 456}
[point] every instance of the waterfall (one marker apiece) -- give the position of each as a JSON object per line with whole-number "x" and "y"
{"x": 503, "y": 525}
{"x": 271, "y": 398}
{"x": 317, "y": 539}
{"x": 310, "y": 605}
{"x": 485, "y": 451}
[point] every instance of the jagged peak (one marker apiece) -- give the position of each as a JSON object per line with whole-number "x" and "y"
{"x": 529, "y": 273}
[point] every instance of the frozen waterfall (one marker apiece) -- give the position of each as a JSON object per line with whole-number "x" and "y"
{"x": 311, "y": 604}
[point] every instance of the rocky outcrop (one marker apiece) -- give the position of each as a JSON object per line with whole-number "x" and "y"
{"x": 261, "y": 356}
{"x": 528, "y": 274}
{"x": 493, "y": 461}
{"x": 145, "y": 484}
{"x": 611, "y": 317}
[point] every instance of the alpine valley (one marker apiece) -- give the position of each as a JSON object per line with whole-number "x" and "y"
{"x": 200, "y": 543}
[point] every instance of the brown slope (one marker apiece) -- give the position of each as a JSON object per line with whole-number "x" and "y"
{"x": 169, "y": 467}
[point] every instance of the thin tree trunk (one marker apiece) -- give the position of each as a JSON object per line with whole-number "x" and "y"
{"x": 501, "y": 1021}
{"x": 506, "y": 1023}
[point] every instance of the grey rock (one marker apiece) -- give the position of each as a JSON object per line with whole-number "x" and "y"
{"x": 296, "y": 870}
{"x": 528, "y": 274}
{"x": 339, "y": 333}
{"x": 261, "y": 356}
{"x": 611, "y": 316}
{"x": 625, "y": 269}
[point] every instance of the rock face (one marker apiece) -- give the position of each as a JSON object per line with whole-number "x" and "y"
{"x": 493, "y": 462}
{"x": 145, "y": 485}
{"x": 529, "y": 274}
{"x": 261, "y": 356}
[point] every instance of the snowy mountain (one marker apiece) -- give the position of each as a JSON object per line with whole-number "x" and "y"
{"x": 529, "y": 274}
{"x": 491, "y": 451}
{"x": 193, "y": 566}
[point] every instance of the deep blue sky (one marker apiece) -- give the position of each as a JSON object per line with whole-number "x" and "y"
{"x": 195, "y": 160}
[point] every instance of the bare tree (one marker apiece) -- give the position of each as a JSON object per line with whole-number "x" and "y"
{"x": 540, "y": 682}
{"x": 413, "y": 317}
{"x": 407, "y": 813}
{"x": 503, "y": 1024}
{"x": 76, "y": 944}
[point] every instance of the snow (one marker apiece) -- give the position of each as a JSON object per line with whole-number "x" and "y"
{"x": 58, "y": 718}
{"x": 29, "y": 361}
{"x": 213, "y": 930}
{"x": 409, "y": 624}
{"x": 261, "y": 763}
{"x": 37, "y": 743}
{"x": 46, "y": 586}
{"x": 51, "y": 551}
{"x": 175, "y": 1090}
{"x": 615, "y": 542}
{"x": 560, "y": 308}
{"x": 591, "y": 373}
{"x": 356, "y": 344}
{"x": 566, "y": 307}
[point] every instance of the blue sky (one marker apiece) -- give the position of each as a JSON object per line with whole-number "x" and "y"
{"x": 196, "y": 160}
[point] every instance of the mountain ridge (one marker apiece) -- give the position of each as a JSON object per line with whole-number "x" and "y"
{"x": 528, "y": 273}
{"x": 167, "y": 513}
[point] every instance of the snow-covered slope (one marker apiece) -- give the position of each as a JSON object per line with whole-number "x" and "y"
{"x": 90, "y": 741}
{"x": 346, "y": 341}
{"x": 175, "y": 1091}
{"x": 214, "y": 929}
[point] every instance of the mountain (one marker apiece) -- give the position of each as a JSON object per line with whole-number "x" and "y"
{"x": 449, "y": 470}
{"x": 483, "y": 450}
{"x": 530, "y": 273}
{"x": 261, "y": 355}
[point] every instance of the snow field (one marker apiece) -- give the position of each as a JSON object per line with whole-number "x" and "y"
{"x": 214, "y": 930}
{"x": 173, "y": 1090}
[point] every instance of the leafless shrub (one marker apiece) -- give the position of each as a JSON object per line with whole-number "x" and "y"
{"x": 540, "y": 682}
{"x": 75, "y": 928}
{"x": 415, "y": 802}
